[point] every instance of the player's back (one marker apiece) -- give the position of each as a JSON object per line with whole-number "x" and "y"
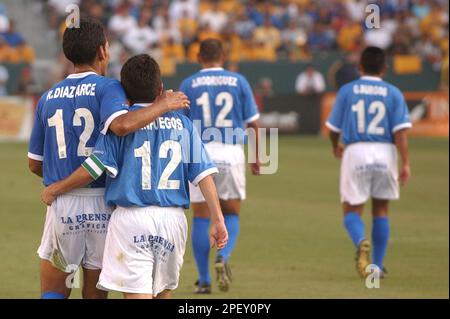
{"x": 220, "y": 99}
{"x": 369, "y": 110}
{"x": 154, "y": 164}
{"x": 69, "y": 118}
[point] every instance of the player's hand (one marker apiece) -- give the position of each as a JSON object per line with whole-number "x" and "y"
{"x": 173, "y": 101}
{"x": 405, "y": 175}
{"x": 256, "y": 168}
{"x": 338, "y": 151}
{"x": 218, "y": 234}
{"x": 48, "y": 195}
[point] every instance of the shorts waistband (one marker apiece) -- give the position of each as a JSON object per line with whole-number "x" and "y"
{"x": 87, "y": 192}
{"x": 152, "y": 208}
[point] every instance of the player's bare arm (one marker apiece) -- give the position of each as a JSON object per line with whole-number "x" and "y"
{"x": 35, "y": 166}
{"x": 218, "y": 234}
{"x": 255, "y": 167}
{"x": 401, "y": 142}
{"x": 132, "y": 121}
{"x": 77, "y": 179}
{"x": 338, "y": 149}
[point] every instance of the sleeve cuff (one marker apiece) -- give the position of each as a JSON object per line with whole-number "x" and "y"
{"x": 252, "y": 118}
{"x": 110, "y": 119}
{"x": 332, "y": 127}
{"x": 35, "y": 157}
{"x": 401, "y": 126}
{"x": 202, "y": 175}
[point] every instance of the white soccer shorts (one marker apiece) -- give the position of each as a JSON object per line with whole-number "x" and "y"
{"x": 144, "y": 250}
{"x": 369, "y": 170}
{"x": 230, "y": 181}
{"x": 75, "y": 230}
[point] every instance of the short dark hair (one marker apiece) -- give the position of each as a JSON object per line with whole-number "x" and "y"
{"x": 373, "y": 60}
{"x": 80, "y": 45}
{"x": 211, "y": 50}
{"x": 141, "y": 79}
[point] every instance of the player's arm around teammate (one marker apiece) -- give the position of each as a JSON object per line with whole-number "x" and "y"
{"x": 102, "y": 104}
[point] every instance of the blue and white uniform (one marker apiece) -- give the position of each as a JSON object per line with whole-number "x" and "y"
{"x": 222, "y": 104}
{"x": 367, "y": 113}
{"x": 148, "y": 180}
{"x": 69, "y": 118}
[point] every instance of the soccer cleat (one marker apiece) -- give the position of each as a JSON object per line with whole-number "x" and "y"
{"x": 202, "y": 289}
{"x": 223, "y": 273}
{"x": 363, "y": 257}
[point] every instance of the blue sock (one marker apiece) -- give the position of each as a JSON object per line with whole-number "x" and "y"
{"x": 52, "y": 295}
{"x": 355, "y": 227}
{"x": 232, "y": 224}
{"x": 380, "y": 238}
{"x": 200, "y": 245}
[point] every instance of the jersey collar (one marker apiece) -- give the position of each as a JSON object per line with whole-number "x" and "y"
{"x": 211, "y": 69}
{"x": 371, "y": 78}
{"x": 142, "y": 104}
{"x": 80, "y": 75}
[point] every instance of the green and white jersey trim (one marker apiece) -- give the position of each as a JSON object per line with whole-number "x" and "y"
{"x": 94, "y": 166}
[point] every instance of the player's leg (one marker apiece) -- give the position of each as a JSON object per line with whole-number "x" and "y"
{"x": 380, "y": 230}
{"x": 53, "y": 282}
{"x": 356, "y": 230}
{"x": 95, "y": 244}
{"x": 166, "y": 294}
{"x": 200, "y": 245}
{"x": 230, "y": 209}
{"x": 90, "y": 279}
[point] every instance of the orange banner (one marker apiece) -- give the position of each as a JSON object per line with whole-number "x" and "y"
{"x": 429, "y": 112}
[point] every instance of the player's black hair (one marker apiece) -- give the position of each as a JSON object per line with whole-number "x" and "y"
{"x": 80, "y": 45}
{"x": 141, "y": 79}
{"x": 373, "y": 61}
{"x": 211, "y": 50}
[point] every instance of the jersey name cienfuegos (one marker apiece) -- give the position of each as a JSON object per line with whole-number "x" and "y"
{"x": 152, "y": 166}
{"x": 222, "y": 100}
{"x": 68, "y": 120}
{"x": 369, "y": 110}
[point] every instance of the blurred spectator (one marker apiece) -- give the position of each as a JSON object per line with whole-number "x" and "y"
{"x": 420, "y": 8}
{"x": 141, "y": 37}
{"x": 267, "y": 35}
{"x": 23, "y": 53}
{"x": 182, "y": 8}
{"x": 243, "y": 26}
{"x": 122, "y": 21}
{"x": 12, "y": 37}
{"x": 26, "y": 83}
{"x": 310, "y": 82}
{"x": 4, "y": 76}
{"x": 188, "y": 29}
{"x": 349, "y": 36}
{"x": 319, "y": 39}
{"x": 292, "y": 37}
{"x": 356, "y": 9}
{"x": 344, "y": 70}
{"x": 6, "y": 52}
{"x": 214, "y": 17}
{"x": 263, "y": 90}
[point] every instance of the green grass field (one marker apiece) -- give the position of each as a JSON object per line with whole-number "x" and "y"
{"x": 292, "y": 243}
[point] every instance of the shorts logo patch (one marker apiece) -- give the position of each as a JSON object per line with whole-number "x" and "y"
{"x": 158, "y": 245}
{"x": 75, "y": 224}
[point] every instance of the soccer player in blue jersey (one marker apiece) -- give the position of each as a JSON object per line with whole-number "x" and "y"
{"x": 371, "y": 118}
{"x": 222, "y": 103}
{"x": 148, "y": 173}
{"x": 69, "y": 118}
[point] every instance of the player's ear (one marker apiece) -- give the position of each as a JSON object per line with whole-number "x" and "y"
{"x": 161, "y": 89}
{"x": 103, "y": 52}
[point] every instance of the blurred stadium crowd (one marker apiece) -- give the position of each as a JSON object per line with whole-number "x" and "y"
{"x": 253, "y": 30}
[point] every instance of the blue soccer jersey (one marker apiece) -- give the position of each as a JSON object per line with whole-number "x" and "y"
{"x": 68, "y": 120}
{"x": 153, "y": 165}
{"x": 369, "y": 110}
{"x": 221, "y": 102}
